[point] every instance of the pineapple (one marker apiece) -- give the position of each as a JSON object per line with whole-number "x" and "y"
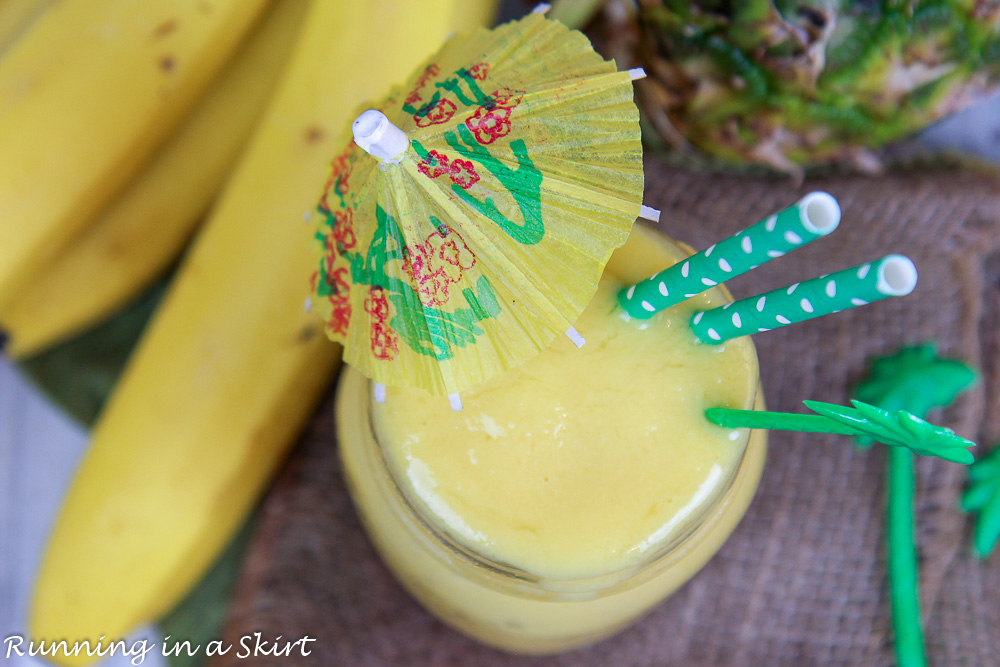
{"x": 791, "y": 84}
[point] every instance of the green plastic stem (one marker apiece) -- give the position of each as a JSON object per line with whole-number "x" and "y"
{"x": 776, "y": 421}
{"x": 904, "y": 581}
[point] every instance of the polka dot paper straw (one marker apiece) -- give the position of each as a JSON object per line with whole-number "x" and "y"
{"x": 893, "y": 275}
{"x": 815, "y": 215}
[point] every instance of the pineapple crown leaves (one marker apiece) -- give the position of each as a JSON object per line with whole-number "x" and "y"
{"x": 789, "y": 84}
{"x": 983, "y": 497}
{"x": 782, "y": 32}
{"x": 914, "y": 379}
{"x": 900, "y": 429}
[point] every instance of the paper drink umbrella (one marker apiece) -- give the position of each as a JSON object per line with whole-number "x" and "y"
{"x": 474, "y": 225}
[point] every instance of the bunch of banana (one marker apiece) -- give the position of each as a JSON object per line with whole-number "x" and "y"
{"x": 141, "y": 231}
{"x": 230, "y": 366}
{"x": 86, "y": 95}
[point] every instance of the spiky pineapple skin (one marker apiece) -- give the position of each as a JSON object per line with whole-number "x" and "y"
{"x": 792, "y": 84}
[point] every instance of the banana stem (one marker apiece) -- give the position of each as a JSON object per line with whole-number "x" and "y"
{"x": 904, "y": 582}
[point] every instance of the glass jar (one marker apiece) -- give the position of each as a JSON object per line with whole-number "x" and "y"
{"x": 510, "y": 606}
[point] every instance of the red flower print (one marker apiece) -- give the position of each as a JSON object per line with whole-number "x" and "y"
{"x": 412, "y": 98}
{"x": 339, "y": 173}
{"x": 329, "y": 258}
{"x": 342, "y": 183}
{"x": 463, "y": 173}
{"x": 328, "y": 201}
{"x": 343, "y": 231}
{"x": 507, "y": 97}
{"x": 377, "y": 305}
{"x": 489, "y": 124}
{"x": 461, "y": 257}
{"x": 340, "y": 279}
{"x": 479, "y": 71}
{"x": 439, "y": 113}
{"x": 429, "y": 72}
{"x": 435, "y": 290}
{"x": 339, "y": 164}
{"x": 330, "y": 254}
{"x": 336, "y": 281}
{"x": 340, "y": 314}
{"x": 384, "y": 342}
{"x": 436, "y": 264}
{"x": 434, "y": 165}
{"x": 432, "y": 289}
{"x": 428, "y": 278}
{"x": 414, "y": 264}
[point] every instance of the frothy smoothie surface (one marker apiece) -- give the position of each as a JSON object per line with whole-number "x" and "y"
{"x": 581, "y": 461}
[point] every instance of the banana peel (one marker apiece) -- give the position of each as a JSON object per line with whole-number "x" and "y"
{"x": 136, "y": 238}
{"x": 86, "y": 95}
{"x": 230, "y": 367}
{"x": 16, "y": 16}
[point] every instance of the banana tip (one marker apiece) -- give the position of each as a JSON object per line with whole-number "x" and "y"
{"x": 3, "y": 340}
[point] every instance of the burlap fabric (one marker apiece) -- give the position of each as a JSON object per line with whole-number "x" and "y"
{"x": 802, "y": 581}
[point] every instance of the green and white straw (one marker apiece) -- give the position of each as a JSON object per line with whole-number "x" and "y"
{"x": 893, "y": 275}
{"x": 815, "y": 215}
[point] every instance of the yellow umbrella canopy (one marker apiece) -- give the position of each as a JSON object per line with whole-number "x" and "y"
{"x": 474, "y": 225}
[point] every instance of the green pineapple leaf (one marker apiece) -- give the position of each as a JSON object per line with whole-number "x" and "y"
{"x": 983, "y": 498}
{"x": 914, "y": 379}
{"x": 899, "y": 429}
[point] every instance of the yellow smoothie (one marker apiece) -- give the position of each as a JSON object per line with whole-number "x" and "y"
{"x": 572, "y": 493}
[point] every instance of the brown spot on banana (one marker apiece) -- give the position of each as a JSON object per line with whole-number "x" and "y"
{"x": 306, "y": 334}
{"x": 314, "y": 134}
{"x": 164, "y": 29}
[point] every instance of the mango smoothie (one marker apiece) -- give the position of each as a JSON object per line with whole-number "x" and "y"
{"x": 572, "y": 493}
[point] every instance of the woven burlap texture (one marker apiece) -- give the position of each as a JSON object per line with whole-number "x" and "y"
{"x": 802, "y": 581}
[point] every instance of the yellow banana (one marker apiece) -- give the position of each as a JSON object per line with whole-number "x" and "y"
{"x": 15, "y": 18}
{"x": 230, "y": 367}
{"x": 472, "y": 13}
{"x": 146, "y": 226}
{"x": 85, "y": 97}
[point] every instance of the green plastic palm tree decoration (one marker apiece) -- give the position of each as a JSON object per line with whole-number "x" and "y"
{"x": 899, "y": 391}
{"x": 914, "y": 379}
